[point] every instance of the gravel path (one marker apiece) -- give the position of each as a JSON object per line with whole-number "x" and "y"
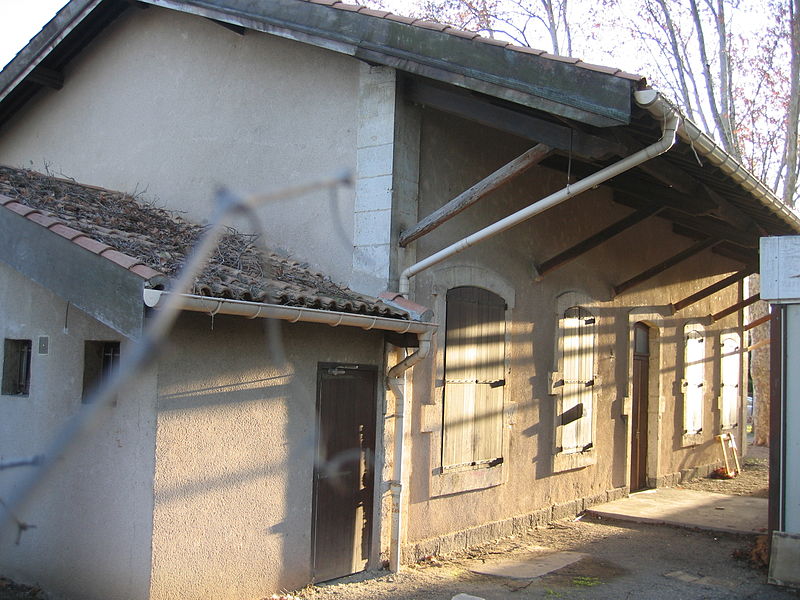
{"x": 624, "y": 561}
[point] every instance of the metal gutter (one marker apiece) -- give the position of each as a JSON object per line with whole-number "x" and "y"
{"x": 645, "y": 98}
{"x": 709, "y": 149}
{"x": 293, "y": 314}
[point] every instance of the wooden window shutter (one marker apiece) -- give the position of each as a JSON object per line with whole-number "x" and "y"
{"x": 693, "y": 379}
{"x": 730, "y": 367}
{"x": 474, "y": 377}
{"x": 577, "y": 329}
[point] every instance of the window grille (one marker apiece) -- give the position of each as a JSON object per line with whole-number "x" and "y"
{"x": 16, "y": 367}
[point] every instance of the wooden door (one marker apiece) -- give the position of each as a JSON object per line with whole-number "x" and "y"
{"x": 344, "y": 471}
{"x": 641, "y": 380}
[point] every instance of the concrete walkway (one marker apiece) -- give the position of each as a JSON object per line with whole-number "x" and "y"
{"x": 689, "y": 508}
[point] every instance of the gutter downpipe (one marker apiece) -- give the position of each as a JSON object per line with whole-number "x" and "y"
{"x": 395, "y": 381}
{"x": 647, "y": 99}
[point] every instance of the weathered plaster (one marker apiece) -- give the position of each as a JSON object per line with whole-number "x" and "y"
{"x": 93, "y": 512}
{"x": 454, "y": 155}
{"x": 171, "y": 106}
{"x": 235, "y": 455}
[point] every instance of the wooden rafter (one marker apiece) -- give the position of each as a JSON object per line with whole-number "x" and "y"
{"x": 695, "y": 248}
{"x": 759, "y": 321}
{"x": 736, "y": 307}
{"x": 500, "y": 177}
{"x": 570, "y": 254}
{"x": 712, "y": 289}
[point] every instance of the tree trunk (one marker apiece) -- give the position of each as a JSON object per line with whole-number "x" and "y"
{"x": 759, "y": 367}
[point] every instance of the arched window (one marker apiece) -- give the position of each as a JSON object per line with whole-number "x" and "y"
{"x": 694, "y": 356}
{"x": 577, "y": 332}
{"x": 474, "y": 371}
{"x": 730, "y": 367}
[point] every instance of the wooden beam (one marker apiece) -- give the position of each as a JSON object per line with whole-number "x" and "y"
{"x": 712, "y": 289}
{"x": 47, "y": 77}
{"x": 237, "y": 29}
{"x": 488, "y": 184}
{"x": 664, "y": 265}
{"x": 759, "y": 321}
{"x": 726, "y": 249}
{"x": 736, "y": 307}
{"x": 521, "y": 124}
{"x": 757, "y": 345}
{"x": 570, "y": 254}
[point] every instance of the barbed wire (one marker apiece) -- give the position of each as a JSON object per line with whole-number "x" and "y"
{"x": 144, "y": 351}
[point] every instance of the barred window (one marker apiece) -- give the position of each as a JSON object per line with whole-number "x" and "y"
{"x": 16, "y": 367}
{"x": 99, "y": 359}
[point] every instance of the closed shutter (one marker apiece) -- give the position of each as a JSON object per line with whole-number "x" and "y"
{"x": 693, "y": 379}
{"x": 730, "y": 366}
{"x": 474, "y": 371}
{"x": 577, "y": 359}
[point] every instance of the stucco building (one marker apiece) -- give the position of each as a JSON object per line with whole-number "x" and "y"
{"x": 560, "y": 256}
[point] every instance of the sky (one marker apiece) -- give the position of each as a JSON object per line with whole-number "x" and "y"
{"x": 20, "y": 20}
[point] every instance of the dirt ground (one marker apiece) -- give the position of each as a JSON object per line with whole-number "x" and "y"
{"x": 624, "y": 561}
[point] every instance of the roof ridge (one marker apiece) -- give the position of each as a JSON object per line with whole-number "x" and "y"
{"x": 473, "y": 36}
{"x": 59, "y": 227}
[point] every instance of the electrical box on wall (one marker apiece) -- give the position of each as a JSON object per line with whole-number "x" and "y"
{"x": 43, "y": 345}
{"x": 780, "y": 269}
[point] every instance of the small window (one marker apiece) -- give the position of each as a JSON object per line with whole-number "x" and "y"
{"x": 16, "y": 367}
{"x": 99, "y": 359}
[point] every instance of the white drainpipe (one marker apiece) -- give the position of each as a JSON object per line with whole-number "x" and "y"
{"x": 647, "y": 99}
{"x": 395, "y": 381}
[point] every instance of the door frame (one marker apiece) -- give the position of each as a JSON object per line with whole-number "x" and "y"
{"x": 656, "y": 404}
{"x": 377, "y": 467}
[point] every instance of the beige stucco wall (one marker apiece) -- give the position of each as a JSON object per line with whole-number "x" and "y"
{"x": 234, "y": 455}
{"x": 93, "y": 513}
{"x": 172, "y": 106}
{"x": 454, "y": 155}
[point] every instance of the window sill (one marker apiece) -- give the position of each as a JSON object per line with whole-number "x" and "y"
{"x": 574, "y": 460}
{"x": 692, "y": 439}
{"x": 470, "y": 478}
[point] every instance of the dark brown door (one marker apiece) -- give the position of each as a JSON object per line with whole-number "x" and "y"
{"x": 641, "y": 379}
{"x": 344, "y": 471}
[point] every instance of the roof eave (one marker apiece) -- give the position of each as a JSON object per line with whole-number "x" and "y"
{"x": 705, "y": 146}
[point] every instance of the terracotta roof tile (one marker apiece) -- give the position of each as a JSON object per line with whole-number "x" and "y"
{"x": 43, "y": 220}
{"x": 91, "y": 245}
{"x": 493, "y": 41}
{"x": 400, "y": 19}
{"x": 20, "y": 209}
{"x": 469, "y": 35}
{"x": 123, "y": 260}
{"x": 144, "y": 271}
{"x": 153, "y": 244}
{"x": 431, "y": 25}
{"x": 565, "y": 59}
{"x": 64, "y": 231}
{"x": 373, "y": 13}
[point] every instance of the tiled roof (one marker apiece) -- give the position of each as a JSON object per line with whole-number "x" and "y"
{"x": 153, "y": 244}
{"x": 476, "y": 37}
